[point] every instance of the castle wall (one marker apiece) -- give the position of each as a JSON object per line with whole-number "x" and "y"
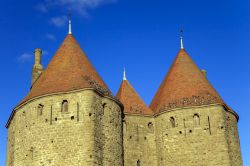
{"x": 90, "y": 133}
{"x": 188, "y": 140}
{"x": 74, "y": 137}
{"x": 139, "y": 140}
{"x": 232, "y": 136}
{"x": 11, "y": 146}
{"x": 112, "y": 134}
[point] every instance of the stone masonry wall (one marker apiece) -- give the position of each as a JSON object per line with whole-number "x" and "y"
{"x": 90, "y": 133}
{"x": 112, "y": 134}
{"x": 231, "y": 130}
{"x": 75, "y": 137}
{"x": 139, "y": 141}
{"x": 194, "y": 137}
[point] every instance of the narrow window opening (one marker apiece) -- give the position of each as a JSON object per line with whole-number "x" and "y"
{"x": 65, "y": 106}
{"x": 72, "y": 117}
{"x": 40, "y": 109}
{"x": 172, "y": 122}
{"x": 138, "y": 162}
{"x": 150, "y": 125}
{"x": 196, "y": 119}
{"x": 32, "y": 153}
{"x": 103, "y": 107}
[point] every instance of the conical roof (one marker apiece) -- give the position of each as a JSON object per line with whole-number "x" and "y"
{"x": 68, "y": 70}
{"x": 133, "y": 104}
{"x": 184, "y": 86}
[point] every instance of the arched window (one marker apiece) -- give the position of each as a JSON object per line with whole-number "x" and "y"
{"x": 65, "y": 106}
{"x": 196, "y": 119}
{"x": 172, "y": 122}
{"x": 40, "y": 109}
{"x": 138, "y": 162}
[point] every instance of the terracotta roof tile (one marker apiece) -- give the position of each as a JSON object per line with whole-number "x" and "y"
{"x": 132, "y": 102}
{"x": 68, "y": 70}
{"x": 184, "y": 86}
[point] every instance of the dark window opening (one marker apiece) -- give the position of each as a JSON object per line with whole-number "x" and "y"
{"x": 172, "y": 122}
{"x": 196, "y": 119}
{"x": 103, "y": 107}
{"x": 138, "y": 162}
{"x": 65, "y": 106}
{"x": 150, "y": 125}
{"x": 40, "y": 109}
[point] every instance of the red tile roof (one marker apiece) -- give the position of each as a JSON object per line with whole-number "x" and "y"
{"x": 133, "y": 104}
{"x": 184, "y": 86}
{"x": 68, "y": 70}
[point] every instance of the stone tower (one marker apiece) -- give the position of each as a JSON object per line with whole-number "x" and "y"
{"x": 187, "y": 124}
{"x": 138, "y": 128}
{"x": 194, "y": 126}
{"x": 69, "y": 117}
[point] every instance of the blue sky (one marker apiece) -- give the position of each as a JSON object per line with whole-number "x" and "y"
{"x": 141, "y": 35}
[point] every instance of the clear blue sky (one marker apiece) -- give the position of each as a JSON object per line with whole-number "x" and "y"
{"x": 142, "y": 35}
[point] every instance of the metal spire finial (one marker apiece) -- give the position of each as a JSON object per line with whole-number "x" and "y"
{"x": 181, "y": 37}
{"x": 124, "y": 74}
{"x": 70, "y": 26}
